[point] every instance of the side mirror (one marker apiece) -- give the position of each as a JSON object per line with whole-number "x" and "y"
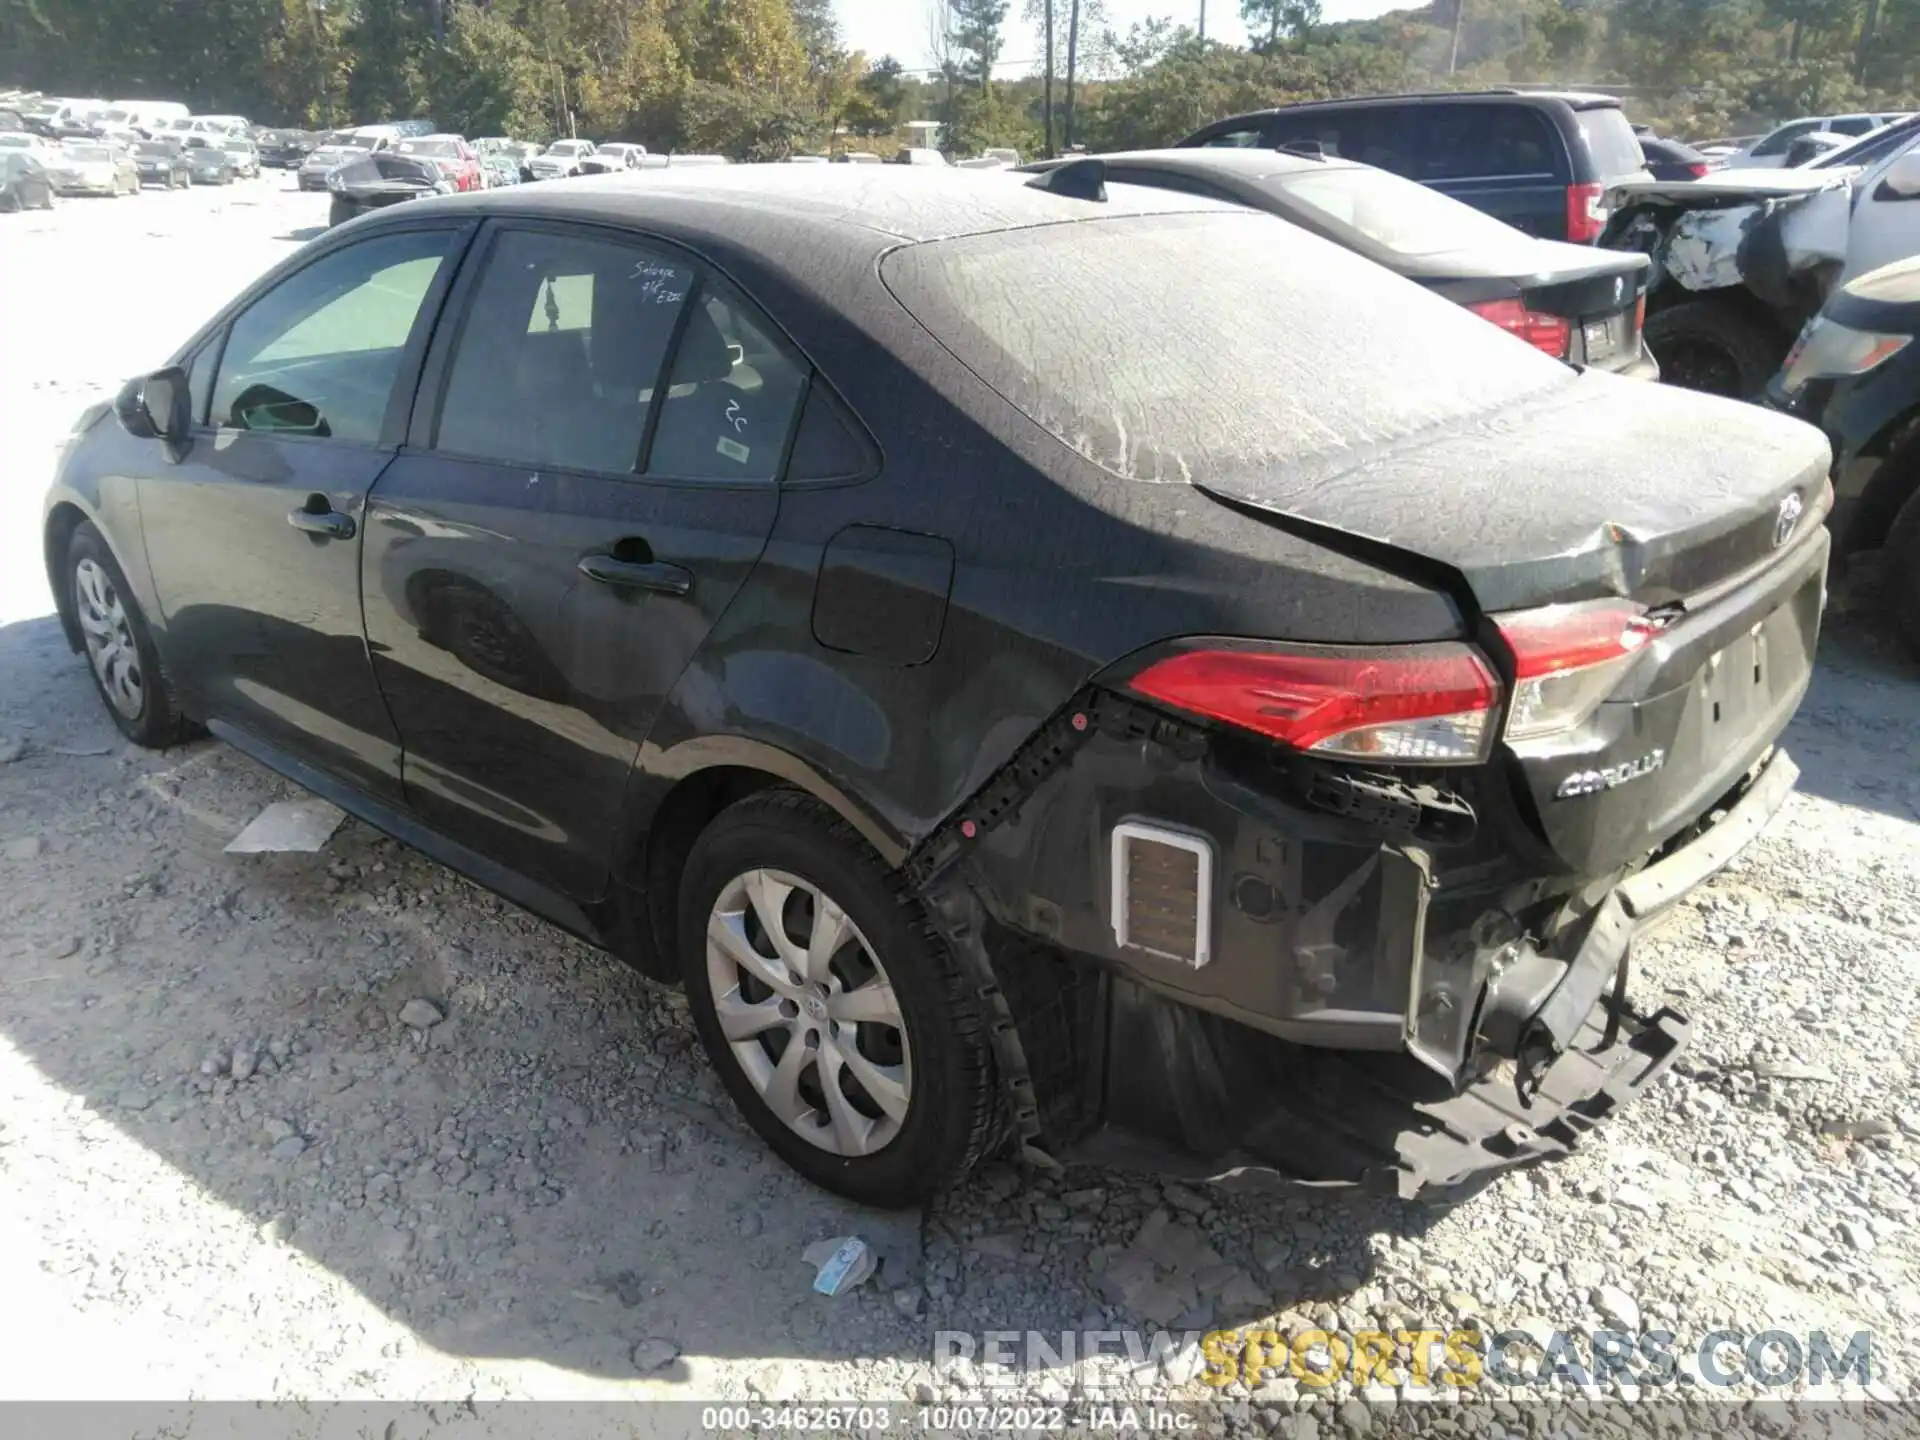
{"x": 1902, "y": 179}
{"x": 156, "y": 406}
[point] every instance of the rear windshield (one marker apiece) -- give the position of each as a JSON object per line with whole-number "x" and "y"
{"x": 1611, "y": 141}
{"x": 1372, "y": 211}
{"x": 443, "y": 148}
{"x": 1280, "y": 348}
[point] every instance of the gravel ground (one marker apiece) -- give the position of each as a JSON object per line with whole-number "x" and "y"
{"x": 344, "y": 1126}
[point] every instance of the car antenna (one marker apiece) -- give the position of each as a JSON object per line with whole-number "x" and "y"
{"x": 1077, "y": 180}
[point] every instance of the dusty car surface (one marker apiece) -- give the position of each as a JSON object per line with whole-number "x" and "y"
{"x": 1742, "y": 258}
{"x": 1017, "y": 719}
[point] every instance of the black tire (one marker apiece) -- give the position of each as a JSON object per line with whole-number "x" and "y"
{"x": 951, "y": 1118}
{"x": 158, "y": 723}
{"x": 1901, "y": 569}
{"x": 1717, "y": 347}
{"x": 340, "y": 210}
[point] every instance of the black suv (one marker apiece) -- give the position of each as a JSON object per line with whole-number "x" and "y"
{"x": 1539, "y": 161}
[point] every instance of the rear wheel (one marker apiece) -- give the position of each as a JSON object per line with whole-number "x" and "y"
{"x": 121, "y": 654}
{"x": 841, "y": 1024}
{"x": 1716, "y": 347}
{"x": 1902, "y": 572}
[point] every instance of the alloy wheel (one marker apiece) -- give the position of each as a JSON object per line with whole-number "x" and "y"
{"x": 809, "y": 1012}
{"x": 109, "y": 636}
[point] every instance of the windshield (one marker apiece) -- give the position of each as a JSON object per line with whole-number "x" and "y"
{"x": 442, "y": 149}
{"x": 358, "y": 142}
{"x": 115, "y": 117}
{"x": 568, "y": 147}
{"x": 1357, "y": 206}
{"x": 235, "y": 147}
{"x": 90, "y": 153}
{"x": 1281, "y": 348}
{"x": 22, "y": 142}
{"x": 328, "y": 155}
{"x": 153, "y": 149}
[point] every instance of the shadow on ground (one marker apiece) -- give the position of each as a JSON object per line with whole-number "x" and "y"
{"x": 552, "y": 1172}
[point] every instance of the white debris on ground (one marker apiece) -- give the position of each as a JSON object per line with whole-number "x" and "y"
{"x": 340, "y": 1124}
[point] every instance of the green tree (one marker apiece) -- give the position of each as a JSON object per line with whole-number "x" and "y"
{"x": 742, "y": 123}
{"x": 879, "y": 100}
{"x": 1277, "y": 20}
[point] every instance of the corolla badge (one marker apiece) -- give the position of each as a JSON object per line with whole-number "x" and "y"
{"x": 1788, "y": 520}
{"x": 1611, "y": 777}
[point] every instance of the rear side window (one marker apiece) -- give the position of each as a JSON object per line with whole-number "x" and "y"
{"x": 1378, "y": 135}
{"x": 733, "y": 395}
{"x": 1280, "y": 351}
{"x": 1611, "y": 143}
{"x": 1466, "y": 142}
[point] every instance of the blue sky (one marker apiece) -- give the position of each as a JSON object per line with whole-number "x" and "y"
{"x": 899, "y": 27}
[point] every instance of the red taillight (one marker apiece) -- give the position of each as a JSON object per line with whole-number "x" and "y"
{"x": 1586, "y": 216}
{"x": 1699, "y": 170}
{"x": 1567, "y": 660}
{"x": 1551, "y": 333}
{"x": 1407, "y": 703}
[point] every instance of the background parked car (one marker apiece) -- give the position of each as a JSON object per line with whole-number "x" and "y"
{"x": 450, "y": 154}
{"x": 1743, "y": 258}
{"x": 23, "y": 182}
{"x": 1574, "y": 302}
{"x": 1813, "y": 145}
{"x": 29, "y": 143}
{"x": 1769, "y": 152}
{"x": 208, "y": 163}
{"x": 561, "y": 158}
{"x": 1855, "y": 372}
{"x": 246, "y": 158}
{"x": 93, "y": 168}
{"x": 1543, "y": 162}
{"x": 1672, "y": 160}
{"x": 381, "y": 178}
{"x": 608, "y": 159}
{"x": 313, "y": 171}
{"x": 286, "y": 149}
{"x": 498, "y": 168}
{"x": 161, "y": 162}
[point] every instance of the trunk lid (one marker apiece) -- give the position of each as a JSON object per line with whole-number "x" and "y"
{"x": 1602, "y": 487}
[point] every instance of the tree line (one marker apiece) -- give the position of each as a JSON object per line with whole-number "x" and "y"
{"x": 760, "y": 79}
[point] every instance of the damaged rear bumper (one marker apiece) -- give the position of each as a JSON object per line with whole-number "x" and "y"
{"x": 1311, "y": 1047}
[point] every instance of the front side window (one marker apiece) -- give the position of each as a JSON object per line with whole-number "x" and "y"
{"x": 319, "y": 353}
{"x": 561, "y": 352}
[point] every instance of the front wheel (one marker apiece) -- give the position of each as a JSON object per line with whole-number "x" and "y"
{"x": 841, "y": 1024}
{"x": 121, "y": 655}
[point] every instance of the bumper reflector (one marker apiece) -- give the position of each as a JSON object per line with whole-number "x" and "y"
{"x": 1162, "y": 892}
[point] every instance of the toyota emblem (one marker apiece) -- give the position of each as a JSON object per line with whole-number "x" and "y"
{"x": 1788, "y": 520}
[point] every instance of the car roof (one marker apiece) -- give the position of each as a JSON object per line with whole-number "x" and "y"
{"x": 1577, "y": 99}
{"x": 790, "y": 207}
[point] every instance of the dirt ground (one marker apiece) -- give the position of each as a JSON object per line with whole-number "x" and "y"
{"x": 228, "y": 1169}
